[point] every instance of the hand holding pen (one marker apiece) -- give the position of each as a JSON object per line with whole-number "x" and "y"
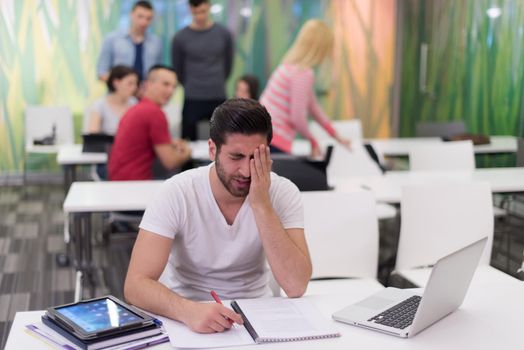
{"x": 209, "y": 317}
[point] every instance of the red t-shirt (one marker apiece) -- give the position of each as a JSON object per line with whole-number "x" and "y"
{"x": 142, "y": 126}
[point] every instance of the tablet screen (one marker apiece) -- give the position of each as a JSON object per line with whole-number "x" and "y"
{"x": 98, "y": 315}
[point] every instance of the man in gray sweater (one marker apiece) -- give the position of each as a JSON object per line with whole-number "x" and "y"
{"x": 202, "y": 57}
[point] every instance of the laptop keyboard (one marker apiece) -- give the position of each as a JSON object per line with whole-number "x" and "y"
{"x": 399, "y": 316}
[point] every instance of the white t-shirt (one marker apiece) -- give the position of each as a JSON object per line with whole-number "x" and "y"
{"x": 207, "y": 253}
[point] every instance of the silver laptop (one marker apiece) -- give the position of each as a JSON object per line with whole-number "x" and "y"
{"x": 403, "y": 312}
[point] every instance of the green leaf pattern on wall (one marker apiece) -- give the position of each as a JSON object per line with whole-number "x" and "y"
{"x": 49, "y": 48}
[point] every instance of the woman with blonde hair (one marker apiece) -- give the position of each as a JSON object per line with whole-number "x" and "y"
{"x": 289, "y": 94}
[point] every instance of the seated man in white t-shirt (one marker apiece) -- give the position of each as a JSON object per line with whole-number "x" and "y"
{"x": 216, "y": 228}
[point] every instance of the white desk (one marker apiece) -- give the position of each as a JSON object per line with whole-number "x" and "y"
{"x": 398, "y": 147}
{"x": 69, "y": 156}
{"x": 498, "y": 144}
{"x": 387, "y": 188}
{"x": 85, "y": 198}
{"x": 489, "y": 318}
{"x": 73, "y": 155}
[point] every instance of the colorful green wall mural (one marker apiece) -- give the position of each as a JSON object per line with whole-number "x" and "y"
{"x": 473, "y": 69}
{"x": 48, "y": 53}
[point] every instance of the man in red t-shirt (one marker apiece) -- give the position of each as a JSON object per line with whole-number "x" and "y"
{"x": 143, "y": 132}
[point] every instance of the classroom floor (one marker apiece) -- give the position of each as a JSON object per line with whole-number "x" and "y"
{"x": 31, "y": 237}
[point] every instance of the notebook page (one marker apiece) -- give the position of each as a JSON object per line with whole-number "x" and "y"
{"x": 281, "y": 319}
{"x": 180, "y": 336}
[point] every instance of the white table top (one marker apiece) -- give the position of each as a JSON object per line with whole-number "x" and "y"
{"x": 30, "y": 148}
{"x": 387, "y": 188}
{"x": 395, "y": 147}
{"x": 489, "y": 317}
{"x": 110, "y": 196}
{"x": 498, "y": 144}
{"x": 398, "y": 147}
{"x": 73, "y": 155}
{"x": 133, "y": 195}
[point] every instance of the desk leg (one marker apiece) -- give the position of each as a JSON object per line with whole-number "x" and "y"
{"x": 69, "y": 176}
{"x": 78, "y": 286}
{"x": 82, "y": 247}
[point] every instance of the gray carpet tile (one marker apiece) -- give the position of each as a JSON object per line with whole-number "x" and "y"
{"x": 31, "y": 237}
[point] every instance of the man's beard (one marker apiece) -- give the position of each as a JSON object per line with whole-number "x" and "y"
{"x": 227, "y": 181}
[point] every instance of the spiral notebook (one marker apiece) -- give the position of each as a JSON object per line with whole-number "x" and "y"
{"x": 265, "y": 321}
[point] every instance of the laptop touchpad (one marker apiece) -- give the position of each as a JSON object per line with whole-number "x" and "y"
{"x": 375, "y": 303}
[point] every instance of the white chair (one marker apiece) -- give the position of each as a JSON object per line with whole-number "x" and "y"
{"x": 174, "y": 118}
{"x": 439, "y": 219}
{"x": 351, "y": 129}
{"x": 40, "y": 122}
{"x": 351, "y": 163}
{"x": 51, "y": 125}
{"x": 455, "y": 155}
{"x": 446, "y": 156}
{"x": 342, "y": 234}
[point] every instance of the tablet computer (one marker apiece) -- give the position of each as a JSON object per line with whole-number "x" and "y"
{"x": 99, "y": 317}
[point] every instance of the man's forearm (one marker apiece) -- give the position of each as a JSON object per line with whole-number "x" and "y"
{"x": 290, "y": 263}
{"x": 154, "y": 297}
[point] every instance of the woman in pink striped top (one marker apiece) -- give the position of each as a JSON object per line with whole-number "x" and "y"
{"x": 289, "y": 95}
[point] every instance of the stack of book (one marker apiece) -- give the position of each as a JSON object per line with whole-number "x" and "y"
{"x": 103, "y": 323}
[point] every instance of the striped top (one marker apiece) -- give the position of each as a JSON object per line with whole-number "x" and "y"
{"x": 289, "y": 97}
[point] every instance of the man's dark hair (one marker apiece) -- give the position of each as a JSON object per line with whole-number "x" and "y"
{"x": 252, "y": 84}
{"x": 143, "y": 4}
{"x": 239, "y": 116}
{"x": 158, "y": 67}
{"x": 117, "y": 73}
{"x": 196, "y": 3}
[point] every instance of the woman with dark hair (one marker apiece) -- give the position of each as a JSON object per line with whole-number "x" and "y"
{"x": 247, "y": 87}
{"x": 104, "y": 114}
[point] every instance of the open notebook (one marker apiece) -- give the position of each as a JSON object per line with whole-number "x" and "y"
{"x": 268, "y": 320}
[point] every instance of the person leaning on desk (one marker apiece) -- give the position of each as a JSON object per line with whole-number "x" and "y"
{"x": 212, "y": 228}
{"x": 143, "y": 132}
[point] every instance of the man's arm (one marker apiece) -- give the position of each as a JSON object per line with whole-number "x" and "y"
{"x": 103, "y": 65}
{"x": 229, "y": 55}
{"x": 173, "y": 154}
{"x": 177, "y": 58}
{"x": 286, "y": 250}
{"x": 148, "y": 260}
{"x": 95, "y": 123}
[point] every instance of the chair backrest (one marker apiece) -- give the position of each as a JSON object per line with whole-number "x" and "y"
{"x": 520, "y": 152}
{"x": 40, "y": 121}
{"x": 350, "y": 163}
{"x": 308, "y": 175}
{"x": 173, "y": 113}
{"x": 342, "y": 233}
{"x": 441, "y": 218}
{"x": 440, "y": 129}
{"x": 456, "y": 155}
{"x": 351, "y": 129}
{"x": 203, "y": 130}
